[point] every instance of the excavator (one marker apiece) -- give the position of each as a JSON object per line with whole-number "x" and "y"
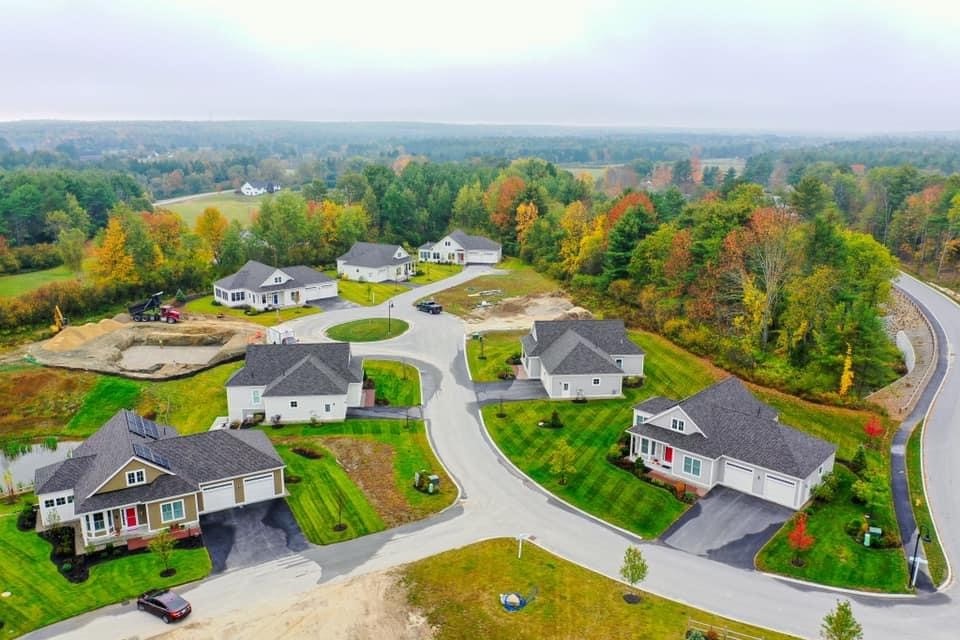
{"x": 59, "y": 320}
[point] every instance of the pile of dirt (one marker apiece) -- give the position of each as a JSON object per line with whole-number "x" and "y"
{"x": 369, "y": 606}
{"x": 75, "y": 337}
{"x": 520, "y": 312}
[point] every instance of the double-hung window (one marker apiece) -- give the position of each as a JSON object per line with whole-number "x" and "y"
{"x": 644, "y": 446}
{"x": 170, "y": 511}
{"x": 691, "y": 466}
{"x": 596, "y": 382}
{"x": 139, "y": 476}
{"x": 677, "y": 424}
{"x": 256, "y": 396}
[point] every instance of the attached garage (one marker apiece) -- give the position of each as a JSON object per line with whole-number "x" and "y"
{"x": 737, "y": 476}
{"x": 258, "y": 488}
{"x": 320, "y": 291}
{"x": 217, "y": 497}
{"x": 780, "y": 490}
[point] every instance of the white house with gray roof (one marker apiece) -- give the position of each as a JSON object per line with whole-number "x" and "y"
{"x": 134, "y": 478}
{"x": 264, "y": 287}
{"x": 580, "y": 358}
{"x": 374, "y": 262}
{"x": 724, "y": 435}
{"x": 293, "y": 383}
{"x": 458, "y": 247}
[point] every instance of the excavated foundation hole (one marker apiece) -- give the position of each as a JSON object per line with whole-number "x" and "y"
{"x": 144, "y": 357}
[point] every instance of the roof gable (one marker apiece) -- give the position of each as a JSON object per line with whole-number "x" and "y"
{"x": 372, "y": 255}
{"x": 571, "y": 353}
{"x": 579, "y": 346}
{"x": 258, "y": 277}
{"x": 299, "y": 369}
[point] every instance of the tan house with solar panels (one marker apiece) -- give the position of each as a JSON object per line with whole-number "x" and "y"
{"x": 134, "y": 478}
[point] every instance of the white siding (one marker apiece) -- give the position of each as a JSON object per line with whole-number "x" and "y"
{"x": 285, "y": 298}
{"x": 64, "y": 512}
{"x": 354, "y": 394}
{"x": 665, "y": 420}
{"x": 372, "y": 274}
{"x": 632, "y": 365}
{"x": 307, "y": 407}
{"x": 483, "y": 257}
{"x": 240, "y": 402}
{"x": 610, "y": 385}
{"x": 532, "y": 365}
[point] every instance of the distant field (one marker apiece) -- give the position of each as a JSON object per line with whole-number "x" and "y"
{"x": 25, "y": 282}
{"x": 231, "y": 205}
{"x": 595, "y": 170}
{"x": 725, "y": 163}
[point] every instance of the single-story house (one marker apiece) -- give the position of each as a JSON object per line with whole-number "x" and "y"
{"x": 259, "y": 188}
{"x": 374, "y": 262}
{"x": 134, "y": 477}
{"x": 724, "y": 435}
{"x": 264, "y": 287}
{"x": 459, "y": 248}
{"x": 296, "y": 383}
{"x": 580, "y": 358}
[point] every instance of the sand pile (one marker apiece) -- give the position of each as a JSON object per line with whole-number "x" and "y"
{"x": 520, "y": 312}
{"x": 74, "y": 337}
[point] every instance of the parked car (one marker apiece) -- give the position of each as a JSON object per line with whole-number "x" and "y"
{"x": 429, "y": 306}
{"x": 164, "y": 604}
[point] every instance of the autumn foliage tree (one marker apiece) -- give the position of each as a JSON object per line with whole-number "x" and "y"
{"x": 113, "y": 263}
{"x": 526, "y": 217}
{"x": 799, "y": 539}
{"x": 212, "y": 227}
{"x": 874, "y": 430}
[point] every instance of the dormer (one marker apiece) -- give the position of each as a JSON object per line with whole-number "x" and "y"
{"x": 401, "y": 253}
{"x": 135, "y": 472}
{"x": 276, "y": 278}
{"x": 673, "y": 419}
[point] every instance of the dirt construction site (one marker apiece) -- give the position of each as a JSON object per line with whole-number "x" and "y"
{"x": 519, "y": 312}
{"x": 148, "y": 350}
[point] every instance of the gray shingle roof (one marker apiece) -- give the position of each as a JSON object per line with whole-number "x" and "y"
{"x": 656, "y": 404}
{"x": 299, "y": 369}
{"x": 737, "y": 425}
{"x": 165, "y": 486}
{"x": 214, "y": 455}
{"x": 60, "y": 476}
{"x": 372, "y": 254}
{"x": 474, "y": 243}
{"x": 253, "y": 274}
{"x": 579, "y": 346}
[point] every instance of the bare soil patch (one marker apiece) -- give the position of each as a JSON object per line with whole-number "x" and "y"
{"x": 521, "y": 311}
{"x": 370, "y": 465}
{"x": 37, "y": 398}
{"x": 369, "y": 606}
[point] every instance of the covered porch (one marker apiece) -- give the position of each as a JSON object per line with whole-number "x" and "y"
{"x": 112, "y": 526}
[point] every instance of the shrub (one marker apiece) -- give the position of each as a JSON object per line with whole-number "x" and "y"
{"x": 640, "y": 467}
{"x": 679, "y": 488}
{"x": 854, "y": 529}
{"x": 825, "y": 491}
{"x": 695, "y": 634}
{"x": 291, "y": 478}
{"x": 514, "y": 359}
{"x": 555, "y": 422}
{"x": 506, "y": 373}
{"x": 689, "y": 497}
{"x": 27, "y": 518}
{"x": 66, "y": 567}
{"x": 859, "y": 461}
{"x": 633, "y": 382}
{"x": 862, "y": 491}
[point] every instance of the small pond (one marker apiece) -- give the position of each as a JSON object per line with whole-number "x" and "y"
{"x": 37, "y": 456}
{"x": 142, "y": 357}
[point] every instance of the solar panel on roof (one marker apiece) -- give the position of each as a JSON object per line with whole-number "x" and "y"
{"x": 150, "y": 429}
{"x": 135, "y": 425}
{"x": 150, "y": 456}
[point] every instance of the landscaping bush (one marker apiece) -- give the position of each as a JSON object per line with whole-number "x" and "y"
{"x": 66, "y": 567}
{"x": 690, "y": 497}
{"x": 679, "y": 489}
{"x": 275, "y": 421}
{"x": 862, "y": 491}
{"x": 368, "y": 383}
{"x": 514, "y": 359}
{"x": 506, "y": 373}
{"x": 855, "y": 529}
{"x": 640, "y": 468}
{"x": 859, "y": 461}
{"x": 695, "y": 634}
{"x": 825, "y": 491}
{"x": 27, "y": 518}
{"x": 633, "y": 382}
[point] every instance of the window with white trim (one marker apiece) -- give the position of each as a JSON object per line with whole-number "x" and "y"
{"x": 61, "y": 501}
{"x": 69, "y": 499}
{"x": 255, "y": 396}
{"x": 48, "y": 504}
{"x": 619, "y": 362}
{"x": 691, "y": 466}
{"x": 170, "y": 511}
{"x": 326, "y": 408}
{"x": 640, "y": 419}
{"x": 138, "y": 476}
{"x": 644, "y": 446}
{"x": 677, "y": 425}
{"x": 277, "y": 279}
{"x": 596, "y": 382}
{"x": 293, "y": 404}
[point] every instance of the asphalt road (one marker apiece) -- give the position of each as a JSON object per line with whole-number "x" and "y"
{"x": 496, "y": 500}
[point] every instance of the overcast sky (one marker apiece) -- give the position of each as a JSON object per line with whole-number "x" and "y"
{"x": 813, "y": 65}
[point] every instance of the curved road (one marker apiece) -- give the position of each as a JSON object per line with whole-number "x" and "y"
{"x": 496, "y": 501}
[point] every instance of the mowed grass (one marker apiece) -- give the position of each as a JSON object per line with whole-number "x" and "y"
{"x": 20, "y": 283}
{"x": 520, "y": 280}
{"x": 40, "y": 595}
{"x": 497, "y": 346}
{"x": 458, "y": 591}
{"x": 314, "y": 500}
{"x": 397, "y": 384}
{"x": 921, "y": 510}
{"x": 367, "y": 330}
{"x": 837, "y": 559}
{"x": 231, "y": 205}
{"x": 431, "y": 272}
{"x": 366, "y": 293}
{"x": 205, "y": 306}
{"x": 190, "y": 404}
{"x": 597, "y": 486}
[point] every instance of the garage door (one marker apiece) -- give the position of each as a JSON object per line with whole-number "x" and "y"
{"x": 317, "y": 292}
{"x": 218, "y": 497}
{"x": 780, "y": 490}
{"x": 739, "y": 477}
{"x": 258, "y": 488}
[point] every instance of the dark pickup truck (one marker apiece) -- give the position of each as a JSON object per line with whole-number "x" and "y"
{"x": 429, "y": 306}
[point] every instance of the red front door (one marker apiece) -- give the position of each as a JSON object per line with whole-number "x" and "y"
{"x": 130, "y": 515}
{"x": 668, "y": 454}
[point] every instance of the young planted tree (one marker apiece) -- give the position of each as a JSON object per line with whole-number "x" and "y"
{"x": 875, "y": 431}
{"x": 800, "y": 539}
{"x": 561, "y": 461}
{"x": 840, "y": 624}
{"x": 633, "y": 571}
{"x": 162, "y": 544}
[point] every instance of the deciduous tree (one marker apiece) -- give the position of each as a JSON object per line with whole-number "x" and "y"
{"x": 799, "y": 539}
{"x": 561, "y": 461}
{"x": 634, "y": 569}
{"x": 212, "y": 227}
{"x": 840, "y": 624}
{"x": 113, "y": 263}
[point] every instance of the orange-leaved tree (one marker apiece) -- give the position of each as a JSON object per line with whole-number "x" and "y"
{"x": 799, "y": 539}
{"x": 874, "y": 430}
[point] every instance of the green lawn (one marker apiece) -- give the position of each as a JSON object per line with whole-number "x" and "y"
{"x": 458, "y": 592}
{"x": 520, "y": 280}
{"x": 205, "y": 306}
{"x": 598, "y": 487}
{"x": 921, "y": 510}
{"x": 431, "y": 272}
{"x": 397, "y": 383}
{"x": 366, "y": 293}
{"x": 367, "y": 330}
{"x": 20, "y": 283}
{"x": 40, "y": 595}
{"x": 231, "y": 205}
{"x": 313, "y": 500}
{"x": 836, "y": 559}
{"x": 497, "y": 346}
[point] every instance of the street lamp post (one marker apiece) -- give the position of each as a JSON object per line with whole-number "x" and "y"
{"x": 482, "y": 356}
{"x": 389, "y": 306}
{"x": 922, "y": 532}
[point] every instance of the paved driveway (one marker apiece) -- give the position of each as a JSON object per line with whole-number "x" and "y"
{"x": 335, "y": 303}
{"x": 251, "y": 535}
{"x": 490, "y": 392}
{"x": 727, "y": 526}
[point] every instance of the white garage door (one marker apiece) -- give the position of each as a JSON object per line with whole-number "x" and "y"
{"x": 320, "y": 291}
{"x": 780, "y": 490}
{"x": 738, "y": 477}
{"x": 258, "y": 488}
{"x": 218, "y": 496}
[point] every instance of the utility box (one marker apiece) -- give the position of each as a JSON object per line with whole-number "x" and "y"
{"x": 866, "y": 539}
{"x": 433, "y": 483}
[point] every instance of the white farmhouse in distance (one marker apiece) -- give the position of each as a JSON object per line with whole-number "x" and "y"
{"x": 259, "y": 188}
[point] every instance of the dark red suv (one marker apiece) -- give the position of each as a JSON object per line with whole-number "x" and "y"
{"x": 164, "y": 604}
